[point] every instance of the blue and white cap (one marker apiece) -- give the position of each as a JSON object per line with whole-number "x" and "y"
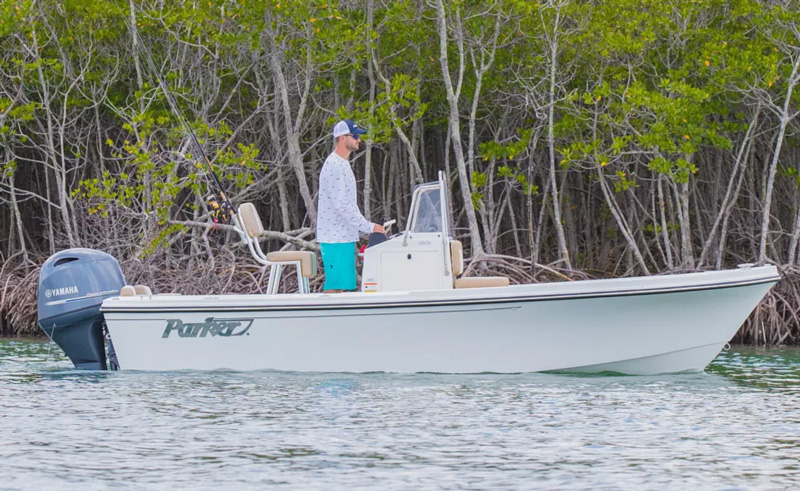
{"x": 347, "y": 127}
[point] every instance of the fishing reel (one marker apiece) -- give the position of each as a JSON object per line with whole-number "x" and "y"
{"x": 218, "y": 210}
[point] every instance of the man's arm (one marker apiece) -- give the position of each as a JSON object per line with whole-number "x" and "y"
{"x": 346, "y": 205}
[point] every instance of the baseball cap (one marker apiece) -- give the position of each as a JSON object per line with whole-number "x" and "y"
{"x": 347, "y": 127}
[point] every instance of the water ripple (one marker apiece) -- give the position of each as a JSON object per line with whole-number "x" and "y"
{"x": 737, "y": 426}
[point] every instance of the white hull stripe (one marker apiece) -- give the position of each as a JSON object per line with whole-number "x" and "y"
{"x": 442, "y": 302}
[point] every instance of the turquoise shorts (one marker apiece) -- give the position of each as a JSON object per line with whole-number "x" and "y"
{"x": 339, "y": 262}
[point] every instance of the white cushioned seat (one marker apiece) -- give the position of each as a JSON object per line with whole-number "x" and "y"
{"x": 250, "y": 219}
{"x": 457, "y": 262}
{"x": 142, "y": 290}
{"x": 481, "y": 282}
{"x": 457, "y": 257}
{"x": 308, "y": 260}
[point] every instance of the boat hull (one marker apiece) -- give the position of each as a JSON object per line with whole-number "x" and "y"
{"x": 642, "y": 326}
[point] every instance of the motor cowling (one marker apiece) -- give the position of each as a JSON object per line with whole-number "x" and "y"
{"x": 72, "y": 286}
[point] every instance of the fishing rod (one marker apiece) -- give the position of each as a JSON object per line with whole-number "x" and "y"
{"x": 227, "y": 208}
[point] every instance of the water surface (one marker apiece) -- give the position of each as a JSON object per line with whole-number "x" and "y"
{"x": 737, "y": 426}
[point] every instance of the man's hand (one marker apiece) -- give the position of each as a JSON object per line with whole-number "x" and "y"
{"x": 378, "y": 229}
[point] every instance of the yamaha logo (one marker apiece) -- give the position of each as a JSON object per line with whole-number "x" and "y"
{"x": 214, "y": 327}
{"x": 57, "y": 292}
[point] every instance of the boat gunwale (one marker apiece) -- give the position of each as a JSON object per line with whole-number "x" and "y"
{"x": 139, "y": 304}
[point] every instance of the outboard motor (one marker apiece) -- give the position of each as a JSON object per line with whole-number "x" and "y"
{"x": 72, "y": 286}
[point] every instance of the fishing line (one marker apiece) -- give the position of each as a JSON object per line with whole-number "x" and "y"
{"x": 176, "y": 110}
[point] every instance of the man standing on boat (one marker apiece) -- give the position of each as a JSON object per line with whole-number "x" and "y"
{"x": 339, "y": 221}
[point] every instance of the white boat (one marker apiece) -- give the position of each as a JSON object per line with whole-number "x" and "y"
{"x": 413, "y": 314}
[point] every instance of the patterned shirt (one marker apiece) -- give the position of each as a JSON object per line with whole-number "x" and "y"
{"x": 338, "y": 218}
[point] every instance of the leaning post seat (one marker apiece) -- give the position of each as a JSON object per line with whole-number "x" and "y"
{"x": 250, "y": 220}
{"x": 457, "y": 260}
{"x": 304, "y": 261}
{"x": 308, "y": 260}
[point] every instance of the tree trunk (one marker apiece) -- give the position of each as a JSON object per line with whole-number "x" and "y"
{"x": 687, "y": 256}
{"x": 455, "y": 134}
{"x": 58, "y": 165}
{"x": 785, "y": 118}
{"x": 291, "y": 125}
{"x": 551, "y": 143}
{"x": 664, "y": 230}
{"x": 730, "y": 196}
{"x": 17, "y": 217}
{"x": 621, "y": 222}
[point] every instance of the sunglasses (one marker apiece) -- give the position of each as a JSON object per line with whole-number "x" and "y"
{"x": 353, "y": 136}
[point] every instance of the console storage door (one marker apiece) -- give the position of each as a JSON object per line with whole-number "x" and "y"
{"x": 404, "y": 271}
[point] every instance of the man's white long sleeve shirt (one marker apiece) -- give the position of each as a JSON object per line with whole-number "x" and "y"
{"x": 338, "y": 217}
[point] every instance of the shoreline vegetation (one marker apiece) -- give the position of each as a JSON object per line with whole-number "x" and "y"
{"x": 580, "y": 139}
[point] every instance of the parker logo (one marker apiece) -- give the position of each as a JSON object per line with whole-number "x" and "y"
{"x": 57, "y": 292}
{"x": 213, "y": 327}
